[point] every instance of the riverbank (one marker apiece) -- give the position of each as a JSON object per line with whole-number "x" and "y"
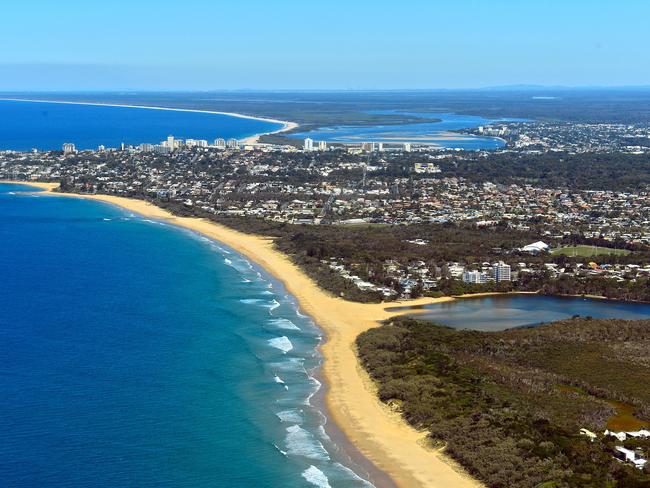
{"x": 286, "y": 125}
{"x": 379, "y": 434}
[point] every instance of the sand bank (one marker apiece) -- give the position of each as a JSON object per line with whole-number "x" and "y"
{"x": 380, "y": 435}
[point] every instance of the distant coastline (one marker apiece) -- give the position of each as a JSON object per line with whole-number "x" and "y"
{"x": 286, "y": 125}
{"x": 380, "y": 435}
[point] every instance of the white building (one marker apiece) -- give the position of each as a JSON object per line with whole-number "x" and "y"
{"x": 501, "y": 271}
{"x": 426, "y": 168}
{"x": 476, "y": 277}
{"x": 322, "y": 146}
{"x": 162, "y": 148}
{"x": 196, "y": 143}
{"x": 630, "y": 456}
{"x": 456, "y": 270}
{"x": 536, "y": 247}
{"x": 69, "y": 148}
{"x": 232, "y": 143}
{"x": 309, "y": 144}
{"x": 220, "y": 143}
{"x": 407, "y": 147}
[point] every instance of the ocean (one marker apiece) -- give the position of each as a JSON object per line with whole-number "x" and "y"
{"x": 137, "y": 354}
{"x": 47, "y": 126}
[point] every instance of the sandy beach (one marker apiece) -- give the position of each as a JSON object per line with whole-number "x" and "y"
{"x": 251, "y": 140}
{"x": 380, "y": 435}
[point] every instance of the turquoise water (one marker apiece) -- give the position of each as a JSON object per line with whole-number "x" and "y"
{"x": 505, "y": 312}
{"x": 135, "y": 354}
{"x": 427, "y": 131}
{"x": 46, "y": 126}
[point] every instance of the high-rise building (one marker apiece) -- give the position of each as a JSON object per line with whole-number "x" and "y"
{"x": 368, "y": 146}
{"x": 322, "y": 146}
{"x": 380, "y": 146}
{"x": 501, "y": 271}
{"x": 476, "y": 277}
{"x": 232, "y": 143}
{"x": 170, "y": 142}
{"x": 69, "y": 148}
{"x": 162, "y": 149}
{"x": 407, "y": 147}
{"x": 196, "y": 143}
{"x": 309, "y": 144}
{"x": 220, "y": 143}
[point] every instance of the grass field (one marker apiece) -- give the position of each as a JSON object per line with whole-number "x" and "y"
{"x": 588, "y": 251}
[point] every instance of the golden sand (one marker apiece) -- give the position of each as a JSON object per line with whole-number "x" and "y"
{"x": 379, "y": 434}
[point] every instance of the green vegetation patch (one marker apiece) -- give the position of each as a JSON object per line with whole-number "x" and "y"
{"x": 509, "y": 406}
{"x": 589, "y": 251}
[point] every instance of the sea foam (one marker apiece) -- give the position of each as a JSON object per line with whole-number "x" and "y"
{"x": 282, "y": 323}
{"x": 282, "y": 343}
{"x": 316, "y": 477}
{"x": 302, "y": 443}
{"x": 353, "y": 475}
{"x": 279, "y": 380}
{"x": 293, "y": 415}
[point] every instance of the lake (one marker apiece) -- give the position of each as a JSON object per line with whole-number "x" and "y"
{"x": 494, "y": 313}
{"x": 435, "y": 129}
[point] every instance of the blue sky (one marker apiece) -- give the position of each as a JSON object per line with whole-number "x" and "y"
{"x": 316, "y": 44}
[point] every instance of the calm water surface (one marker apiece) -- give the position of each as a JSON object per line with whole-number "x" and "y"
{"x": 431, "y": 132}
{"x": 504, "y": 312}
{"x": 46, "y": 126}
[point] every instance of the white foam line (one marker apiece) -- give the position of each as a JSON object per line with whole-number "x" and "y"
{"x": 316, "y": 477}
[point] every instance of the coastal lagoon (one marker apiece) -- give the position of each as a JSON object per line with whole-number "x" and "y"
{"x": 435, "y": 129}
{"x": 494, "y": 313}
{"x": 46, "y": 126}
{"x": 135, "y": 353}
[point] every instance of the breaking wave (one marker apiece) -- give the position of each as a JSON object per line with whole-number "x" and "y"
{"x": 282, "y": 343}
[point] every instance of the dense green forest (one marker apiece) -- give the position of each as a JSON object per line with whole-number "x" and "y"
{"x": 592, "y": 171}
{"x": 508, "y": 406}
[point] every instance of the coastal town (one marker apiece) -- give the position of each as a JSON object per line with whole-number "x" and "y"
{"x": 375, "y": 185}
{"x": 325, "y": 244}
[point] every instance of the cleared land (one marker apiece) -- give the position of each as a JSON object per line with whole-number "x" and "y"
{"x": 588, "y": 251}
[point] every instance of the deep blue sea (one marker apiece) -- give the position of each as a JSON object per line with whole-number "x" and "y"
{"x": 429, "y": 132}
{"x": 46, "y": 126}
{"x": 137, "y": 354}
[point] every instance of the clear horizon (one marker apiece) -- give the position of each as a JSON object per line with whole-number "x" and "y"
{"x": 255, "y": 45}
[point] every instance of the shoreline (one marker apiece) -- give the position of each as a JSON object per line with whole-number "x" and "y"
{"x": 250, "y": 140}
{"x": 381, "y": 436}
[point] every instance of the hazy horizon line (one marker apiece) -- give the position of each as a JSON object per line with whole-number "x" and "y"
{"x": 515, "y": 87}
